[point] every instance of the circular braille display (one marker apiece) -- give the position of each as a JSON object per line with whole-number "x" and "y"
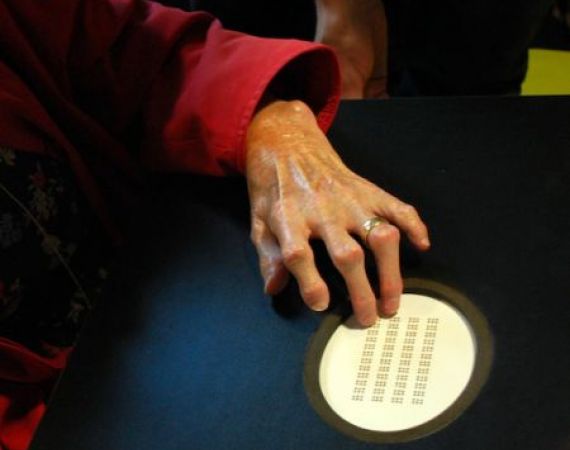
{"x": 401, "y": 372}
{"x": 406, "y": 376}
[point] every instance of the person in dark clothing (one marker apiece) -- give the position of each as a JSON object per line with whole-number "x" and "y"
{"x": 405, "y": 47}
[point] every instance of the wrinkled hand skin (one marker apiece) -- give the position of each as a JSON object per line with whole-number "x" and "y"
{"x": 358, "y": 31}
{"x": 300, "y": 189}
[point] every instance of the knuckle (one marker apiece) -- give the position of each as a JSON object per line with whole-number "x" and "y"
{"x": 348, "y": 255}
{"x": 385, "y": 234}
{"x": 294, "y": 254}
{"x": 408, "y": 211}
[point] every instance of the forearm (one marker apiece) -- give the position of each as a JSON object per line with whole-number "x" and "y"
{"x": 358, "y": 31}
{"x": 338, "y": 10}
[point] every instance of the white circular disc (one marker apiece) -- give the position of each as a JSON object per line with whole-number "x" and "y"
{"x": 401, "y": 372}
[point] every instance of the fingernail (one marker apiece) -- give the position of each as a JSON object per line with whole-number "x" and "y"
{"x": 368, "y": 321}
{"x": 390, "y": 307}
{"x": 320, "y": 306}
{"x": 425, "y": 242}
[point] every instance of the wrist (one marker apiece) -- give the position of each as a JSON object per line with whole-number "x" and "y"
{"x": 279, "y": 115}
{"x": 276, "y": 125}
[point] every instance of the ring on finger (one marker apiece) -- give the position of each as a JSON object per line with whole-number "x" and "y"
{"x": 370, "y": 224}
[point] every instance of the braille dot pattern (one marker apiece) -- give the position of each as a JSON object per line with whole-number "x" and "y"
{"x": 363, "y": 374}
{"x": 395, "y": 361}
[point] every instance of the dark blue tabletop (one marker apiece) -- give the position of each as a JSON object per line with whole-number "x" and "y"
{"x": 185, "y": 351}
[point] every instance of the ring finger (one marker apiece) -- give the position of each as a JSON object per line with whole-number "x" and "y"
{"x": 384, "y": 242}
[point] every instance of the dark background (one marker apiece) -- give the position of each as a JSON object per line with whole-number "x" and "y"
{"x": 476, "y": 47}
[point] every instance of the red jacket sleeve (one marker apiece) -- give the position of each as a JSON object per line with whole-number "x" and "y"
{"x": 112, "y": 81}
{"x": 179, "y": 82}
{"x": 205, "y": 99}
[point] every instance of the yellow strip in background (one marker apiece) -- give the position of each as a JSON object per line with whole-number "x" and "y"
{"x": 548, "y": 73}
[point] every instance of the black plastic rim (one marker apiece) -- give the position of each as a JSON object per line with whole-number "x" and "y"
{"x": 479, "y": 376}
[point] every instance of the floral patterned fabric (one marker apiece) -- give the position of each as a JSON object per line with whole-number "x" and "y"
{"x": 51, "y": 250}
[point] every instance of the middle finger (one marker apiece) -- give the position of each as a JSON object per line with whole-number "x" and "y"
{"x": 348, "y": 257}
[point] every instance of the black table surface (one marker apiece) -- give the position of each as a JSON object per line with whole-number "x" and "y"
{"x": 185, "y": 351}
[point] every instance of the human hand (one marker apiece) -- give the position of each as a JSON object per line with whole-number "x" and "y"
{"x": 358, "y": 31}
{"x": 300, "y": 189}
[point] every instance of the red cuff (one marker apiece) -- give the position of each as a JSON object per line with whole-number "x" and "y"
{"x": 311, "y": 76}
{"x": 203, "y": 101}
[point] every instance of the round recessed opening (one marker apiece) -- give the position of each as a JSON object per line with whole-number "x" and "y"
{"x": 404, "y": 377}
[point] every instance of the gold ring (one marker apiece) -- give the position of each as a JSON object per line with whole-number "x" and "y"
{"x": 370, "y": 224}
